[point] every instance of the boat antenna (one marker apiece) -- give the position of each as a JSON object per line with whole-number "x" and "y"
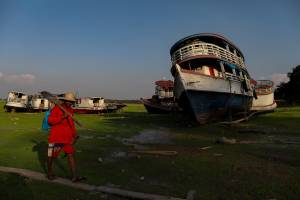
{"x": 77, "y": 94}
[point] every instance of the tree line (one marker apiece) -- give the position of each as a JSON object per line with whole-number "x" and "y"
{"x": 289, "y": 92}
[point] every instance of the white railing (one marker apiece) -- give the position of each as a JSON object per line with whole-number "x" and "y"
{"x": 206, "y": 49}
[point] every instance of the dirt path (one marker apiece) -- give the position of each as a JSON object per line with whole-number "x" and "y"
{"x": 113, "y": 191}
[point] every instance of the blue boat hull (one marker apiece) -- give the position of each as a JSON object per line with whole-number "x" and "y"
{"x": 209, "y": 106}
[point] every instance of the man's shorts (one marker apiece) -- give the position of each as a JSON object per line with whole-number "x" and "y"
{"x": 55, "y": 148}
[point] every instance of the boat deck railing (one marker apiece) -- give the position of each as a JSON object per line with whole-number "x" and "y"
{"x": 206, "y": 49}
{"x": 264, "y": 90}
{"x": 232, "y": 77}
{"x": 16, "y": 100}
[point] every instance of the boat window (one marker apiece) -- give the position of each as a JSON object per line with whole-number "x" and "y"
{"x": 231, "y": 49}
{"x": 238, "y": 72}
{"x": 227, "y": 68}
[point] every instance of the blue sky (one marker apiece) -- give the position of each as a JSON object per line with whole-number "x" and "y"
{"x": 117, "y": 49}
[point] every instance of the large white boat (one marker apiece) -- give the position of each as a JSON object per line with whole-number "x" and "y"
{"x": 210, "y": 77}
{"x": 265, "y": 96}
{"x": 16, "y": 101}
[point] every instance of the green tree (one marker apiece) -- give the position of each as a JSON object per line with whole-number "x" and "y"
{"x": 290, "y": 91}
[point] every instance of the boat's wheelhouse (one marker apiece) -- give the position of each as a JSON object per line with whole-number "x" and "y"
{"x": 210, "y": 55}
{"x": 90, "y": 102}
{"x": 206, "y": 45}
{"x": 38, "y": 102}
{"x": 263, "y": 87}
{"x": 17, "y": 97}
{"x": 164, "y": 88}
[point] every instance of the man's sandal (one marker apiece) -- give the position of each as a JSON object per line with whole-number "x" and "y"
{"x": 51, "y": 177}
{"x": 78, "y": 179}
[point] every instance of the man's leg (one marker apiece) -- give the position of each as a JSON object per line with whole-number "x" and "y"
{"x": 50, "y": 175}
{"x": 49, "y": 164}
{"x": 69, "y": 149}
{"x": 72, "y": 165}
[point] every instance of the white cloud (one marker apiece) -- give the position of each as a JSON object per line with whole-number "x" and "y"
{"x": 17, "y": 78}
{"x": 279, "y": 78}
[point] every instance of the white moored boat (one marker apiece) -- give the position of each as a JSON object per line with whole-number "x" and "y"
{"x": 16, "y": 101}
{"x": 265, "y": 96}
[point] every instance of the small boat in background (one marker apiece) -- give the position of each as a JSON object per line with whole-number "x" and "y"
{"x": 89, "y": 105}
{"x": 163, "y": 100}
{"x": 113, "y": 107}
{"x": 265, "y": 96}
{"x": 95, "y": 105}
{"x": 16, "y": 101}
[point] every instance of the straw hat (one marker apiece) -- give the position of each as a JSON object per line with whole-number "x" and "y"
{"x": 69, "y": 96}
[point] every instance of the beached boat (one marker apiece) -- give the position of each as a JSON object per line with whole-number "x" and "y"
{"x": 265, "y": 96}
{"x": 210, "y": 77}
{"x": 16, "y": 101}
{"x": 113, "y": 107}
{"x": 95, "y": 105}
{"x": 163, "y": 100}
{"x": 37, "y": 103}
{"x": 89, "y": 105}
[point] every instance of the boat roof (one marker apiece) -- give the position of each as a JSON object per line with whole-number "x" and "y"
{"x": 17, "y": 92}
{"x": 265, "y": 83}
{"x": 166, "y": 84}
{"x": 91, "y": 98}
{"x": 202, "y": 35}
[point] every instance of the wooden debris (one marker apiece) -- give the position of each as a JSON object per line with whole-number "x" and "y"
{"x": 218, "y": 154}
{"x": 155, "y": 152}
{"x": 205, "y": 148}
{"x": 241, "y": 119}
{"x": 224, "y": 140}
{"x": 248, "y": 142}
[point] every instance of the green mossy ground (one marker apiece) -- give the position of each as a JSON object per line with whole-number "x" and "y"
{"x": 263, "y": 170}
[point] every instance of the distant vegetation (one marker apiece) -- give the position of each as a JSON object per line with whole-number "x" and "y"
{"x": 121, "y": 101}
{"x": 290, "y": 92}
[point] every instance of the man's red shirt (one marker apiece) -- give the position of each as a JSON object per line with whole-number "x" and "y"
{"x": 62, "y": 129}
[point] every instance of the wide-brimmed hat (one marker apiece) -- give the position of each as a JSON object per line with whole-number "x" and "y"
{"x": 69, "y": 96}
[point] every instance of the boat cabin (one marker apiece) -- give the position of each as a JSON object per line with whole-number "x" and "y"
{"x": 90, "y": 102}
{"x": 164, "y": 88}
{"x": 38, "y": 103}
{"x": 16, "y": 101}
{"x": 263, "y": 87}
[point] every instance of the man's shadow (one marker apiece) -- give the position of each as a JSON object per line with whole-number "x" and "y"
{"x": 41, "y": 148}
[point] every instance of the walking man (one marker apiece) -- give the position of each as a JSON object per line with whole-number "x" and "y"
{"x": 62, "y": 135}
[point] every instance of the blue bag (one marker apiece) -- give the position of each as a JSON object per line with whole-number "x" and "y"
{"x": 45, "y": 125}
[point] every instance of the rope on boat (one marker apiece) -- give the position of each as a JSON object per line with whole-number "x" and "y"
{"x": 241, "y": 119}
